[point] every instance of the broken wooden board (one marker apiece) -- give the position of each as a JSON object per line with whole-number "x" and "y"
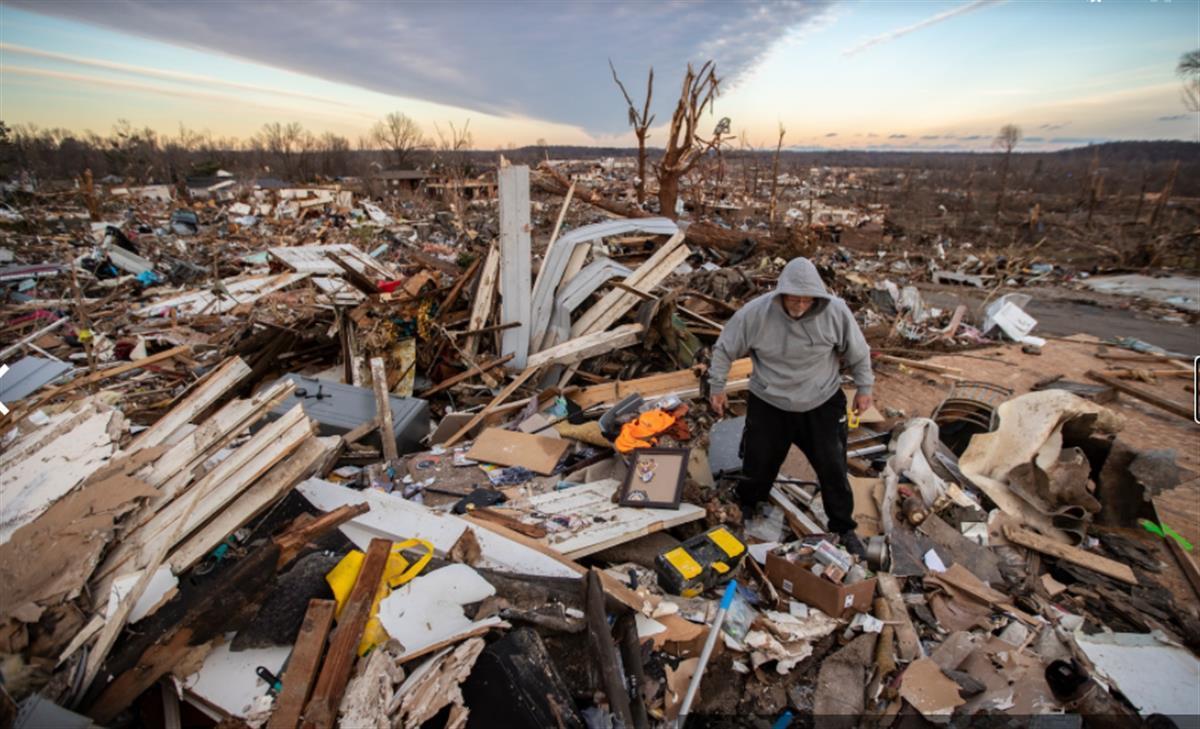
{"x": 1085, "y": 559}
{"x": 868, "y": 493}
{"x": 303, "y": 664}
{"x": 228, "y": 687}
{"x": 588, "y": 345}
{"x": 681, "y": 383}
{"x": 606, "y": 524}
{"x": 436, "y": 683}
{"x": 511, "y": 448}
{"x": 314, "y": 260}
{"x": 395, "y": 518}
{"x": 617, "y": 302}
{"x": 234, "y": 292}
{"x": 516, "y": 261}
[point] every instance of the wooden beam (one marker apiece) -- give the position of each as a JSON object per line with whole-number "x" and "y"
{"x": 321, "y": 711}
{"x": 588, "y": 345}
{"x": 206, "y": 392}
{"x": 516, "y": 260}
{"x": 479, "y": 416}
{"x": 383, "y": 410}
{"x": 601, "y": 640}
{"x": 1143, "y": 395}
{"x": 485, "y": 294}
{"x": 917, "y": 364}
{"x": 356, "y": 279}
{"x": 456, "y": 289}
{"x": 303, "y": 664}
{"x": 292, "y": 542}
{"x": 1074, "y": 555}
{"x": 360, "y": 431}
{"x": 684, "y": 383}
{"x": 460, "y": 377}
{"x": 615, "y": 304}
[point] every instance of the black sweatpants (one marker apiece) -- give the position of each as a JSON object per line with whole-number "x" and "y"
{"x": 819, "y": 433}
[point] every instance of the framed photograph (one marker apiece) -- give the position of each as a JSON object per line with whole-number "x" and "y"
{"x": 655, "y": 478}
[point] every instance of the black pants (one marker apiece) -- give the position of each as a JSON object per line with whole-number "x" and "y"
{"x": 819, "y": 433}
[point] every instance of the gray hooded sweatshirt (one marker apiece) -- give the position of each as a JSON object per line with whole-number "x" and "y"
{"x": 796, "y": 361}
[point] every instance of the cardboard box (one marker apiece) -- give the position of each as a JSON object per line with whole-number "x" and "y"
{"x": 832, "y": 599}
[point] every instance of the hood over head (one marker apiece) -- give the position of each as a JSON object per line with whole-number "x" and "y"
{"x": 800, "y": 278}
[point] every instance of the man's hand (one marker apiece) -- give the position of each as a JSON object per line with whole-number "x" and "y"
{"x": 862, "y": 403}
{"x": 718, "y": 403}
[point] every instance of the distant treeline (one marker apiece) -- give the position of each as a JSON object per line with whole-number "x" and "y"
{"x": 289, "y": 152}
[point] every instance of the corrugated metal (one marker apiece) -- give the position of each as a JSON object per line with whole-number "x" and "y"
{"x": 26, "y": 375}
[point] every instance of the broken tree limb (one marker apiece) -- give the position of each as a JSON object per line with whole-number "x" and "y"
{"x": 321, "y": 712}
{"x": 701, "y": 233}
{"x": 1143, "y": 395}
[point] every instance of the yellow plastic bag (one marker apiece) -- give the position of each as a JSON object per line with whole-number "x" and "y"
{"x": 398, "y": 571}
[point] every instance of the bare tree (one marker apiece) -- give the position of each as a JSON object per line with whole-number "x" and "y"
{"x": 335, "y": 154}
{"x": 288, "y": 146}
{"x": 685, "y": 147}
{"x": 454, "y": 163}
{"x": 1189, "y": 70}
{"x": 1007, "y": 139}
{"x": 775, "y": 177}
{"x": 400, "y": 135}
{"x": 640, "y": 121}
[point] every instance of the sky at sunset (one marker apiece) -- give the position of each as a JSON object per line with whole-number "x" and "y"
{"x": 852, "y": 74}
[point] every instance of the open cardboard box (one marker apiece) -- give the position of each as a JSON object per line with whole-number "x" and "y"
{"x": 832, "y": 599}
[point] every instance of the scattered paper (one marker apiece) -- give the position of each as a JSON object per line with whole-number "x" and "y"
{"x": 933, "y": 562}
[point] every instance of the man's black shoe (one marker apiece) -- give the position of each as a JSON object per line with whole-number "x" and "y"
{"x": 852, "y": 544}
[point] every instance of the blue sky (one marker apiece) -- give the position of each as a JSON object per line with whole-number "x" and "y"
{"x": 851, "y": 74}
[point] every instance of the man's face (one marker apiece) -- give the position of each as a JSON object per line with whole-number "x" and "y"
{"x": 796, "y": 306}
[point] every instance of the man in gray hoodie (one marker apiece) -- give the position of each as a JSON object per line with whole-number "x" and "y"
{"x": 796, "y": 337}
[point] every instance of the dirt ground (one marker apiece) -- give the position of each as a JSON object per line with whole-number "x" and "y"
{"x": 1063, "y": 311}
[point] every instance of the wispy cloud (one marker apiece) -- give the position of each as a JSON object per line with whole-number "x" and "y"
{"x": 831, "y": 134}
{"x": 449, "y": 53}
{"x": 897, "y": 136}
{"x": 156, "y": 73}
{"x": 1174, "y": 117}
{"x": 892, "y": 35}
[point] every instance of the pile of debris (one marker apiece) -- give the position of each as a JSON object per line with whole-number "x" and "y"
{"x": 276, "y": 463}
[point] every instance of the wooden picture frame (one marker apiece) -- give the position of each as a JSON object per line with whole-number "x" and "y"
{"x": 655, "y": 478}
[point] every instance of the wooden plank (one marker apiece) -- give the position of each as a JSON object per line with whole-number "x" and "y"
{"x": 917, "y": 364}
{"x": 1141, "y": 394}
{"x": 456, "y": 290}
{"x": 616, "y": 303}
{"x": 680, "y": 382}
{"x": 498, "y": 399}
{"x": 588, "y": 345}
{"x": 356, "y": 278}
{"x": 1074, "y": 555}
{"x": 293, "y": 542}
{"x": 383, "y": 410}
{"x": 105, "y": 374}
{"x": 303, "y": 664}
{"x": 218, "y": 487}
{"x": 176, "y": 468}
{"x": 485, "y": 294}
{"x": 511, "y": 448}
{"x": 253, "y": 501}
{"x": 800, "y": 522}
{"x": 321, "y": 711}
{"x": 360, "y": 431}
{"x": 463, "y": 376}
{"x": 601, "y": 640}
{"x": 516, "y": 260}
{"x": 204, "y": 394}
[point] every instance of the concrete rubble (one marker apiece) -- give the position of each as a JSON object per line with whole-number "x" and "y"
{"x": 304, "y": 456}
